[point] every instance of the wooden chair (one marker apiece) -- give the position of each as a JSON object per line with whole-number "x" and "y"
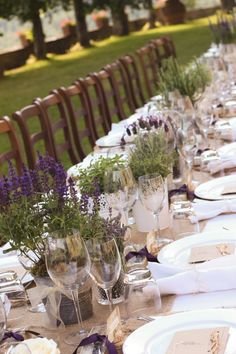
{"x": 7, "y": 129}
{"x": 93, "y": 95}
{"x": 149, "y": 67}
{"x": 35, "y": 132}
{"x": 119, "y": 83}
{"x": 80, "y": 118}
{"x": 134, "y": 79}
{"x": 112, "y": 100}
{"x": 53, "y": 110}
{"x": 164, "y": 48}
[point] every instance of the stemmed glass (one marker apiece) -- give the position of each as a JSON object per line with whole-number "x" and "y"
{"x": 204, "y": 122}
{"x": 68, "y": 266}
{"x": 105, "y": 264}
{"x": 152, "y": 195}
{"x": 2, "y": 320}
{"x": 187, "y": 146}
{"x": 121, "y": 190}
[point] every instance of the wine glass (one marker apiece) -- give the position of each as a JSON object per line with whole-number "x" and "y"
{"x": 68, "y": 265}
{"x": 121, "y": 190}
{"x": 152, "y": 195}
{"x": 3, "y": 320}
{"x": 105, "y": 264}
{"x": 187, "y": 146}
{"x": 204, "y": 122}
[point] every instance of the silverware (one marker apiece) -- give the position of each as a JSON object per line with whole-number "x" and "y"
{"x": 145, "y": 318}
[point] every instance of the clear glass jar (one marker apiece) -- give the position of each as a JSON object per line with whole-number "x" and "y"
{"x": 182, "y": 219}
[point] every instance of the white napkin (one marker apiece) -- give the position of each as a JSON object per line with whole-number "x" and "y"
{"x": 215, "y": 275}
{"x": 215, "y": 166}
{"x": 228, "y": 133}
{"x": 204, "y": 209}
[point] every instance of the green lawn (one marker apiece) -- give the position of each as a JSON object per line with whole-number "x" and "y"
{"x": 20, "y": 86}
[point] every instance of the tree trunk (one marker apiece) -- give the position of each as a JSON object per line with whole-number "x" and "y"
{"x": 151, "y": 15}
{"x": 81, "y": 25}
{"x": 120, "y": 20}
{"x": 39, "y": 43}
{"x": 228, "y": 4}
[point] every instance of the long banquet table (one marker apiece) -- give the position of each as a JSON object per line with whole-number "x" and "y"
{"x": 170, "y": 304}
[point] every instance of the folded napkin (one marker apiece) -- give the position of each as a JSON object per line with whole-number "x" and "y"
{"x": 204, "y": 209}
{"x": 218, "y": 274}
{"x": 228, "y": 133}
{"x": 215, "y": 166}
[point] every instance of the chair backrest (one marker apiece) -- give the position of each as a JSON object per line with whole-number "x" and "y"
{"x": 164, "y": 47}
{"x": 134, "y": 79}
{"x": 120, "y": 84}
{"x": 35, "y": 132}
{"x": 112, "y": 101}
{"x": 55, "y": 115}
{"x": 9, "y": 137}
{"x": 80, "y": 120}
{"x": 93, "y": 95}
{"x": 149, "y": 66}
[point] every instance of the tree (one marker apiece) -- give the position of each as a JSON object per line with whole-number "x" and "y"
{"x": 228, "y": 4}
{"x": 119, "y": 16}
{"x": 29, "y": 10}
{"x": 81, "y": 9}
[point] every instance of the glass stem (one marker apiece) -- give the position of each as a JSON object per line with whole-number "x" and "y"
{"x": 109, "y": 298}
{"x": 189, "y": 174}
{"x": 126, "y": 223}
{"x": 157, "y": 225}
{"x": 75, "y": 297}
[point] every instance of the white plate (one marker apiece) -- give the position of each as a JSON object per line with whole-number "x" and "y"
{"x": 212, "y": 189}
{"x": 228, "y": 150}
{"x": 155, "y": 337}
{"x": 176, "y": 254}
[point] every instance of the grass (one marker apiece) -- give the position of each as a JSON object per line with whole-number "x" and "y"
{"x": 20, "y": 86}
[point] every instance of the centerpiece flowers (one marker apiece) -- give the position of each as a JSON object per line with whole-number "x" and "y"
{"x": 189, "y": 81}
{"x": 45, "y": 201}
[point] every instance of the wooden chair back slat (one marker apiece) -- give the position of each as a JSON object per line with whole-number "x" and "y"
{"x": 80, "y": 117}
{"x": 7, "y": 129}
{"x": 29, "y": 138}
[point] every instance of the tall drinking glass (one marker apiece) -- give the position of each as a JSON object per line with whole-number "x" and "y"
{"x": 2, "y": 320}
{"x": 105, "y": 264}
{"x": 121, "y": 190}
{"x": 152, "y": 194}
{"x": 68, "y": 266}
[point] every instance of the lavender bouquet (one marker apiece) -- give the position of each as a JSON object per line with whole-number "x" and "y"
{"x": 224, "y": 30}
{"x": 42, "y": 201}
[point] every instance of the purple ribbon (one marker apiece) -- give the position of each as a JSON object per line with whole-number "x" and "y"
{"x": 182, "y": 189}
{"x": 143, "y": 253}
{"x": 15, "y": 335}
{"x": 98, "y": 338}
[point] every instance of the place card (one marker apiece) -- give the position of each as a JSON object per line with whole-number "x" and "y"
{"x": 208, "y": 252}
{"x": 114, "y": 326}
{"x": 229, "y": 189}
{"x": 200, "y": 341}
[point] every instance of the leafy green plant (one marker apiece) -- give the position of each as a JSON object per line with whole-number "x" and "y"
{"x": 95, "y": 173}
{"x": 151, "y": 155}
{"x": 189, "y": 81}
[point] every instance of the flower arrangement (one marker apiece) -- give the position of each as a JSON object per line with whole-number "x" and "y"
{"x": 146, "y": 124}
{"x": 151, "y": 155}
{"x": 67, "y": 22}
{"x": 189, "y": 81}
{"x": 45, "y": 200}
{"x": 92, "y": 177}
{"x": 224, "y": 30}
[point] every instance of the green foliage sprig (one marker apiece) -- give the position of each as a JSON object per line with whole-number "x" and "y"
{"x": 189, "y": 81}
{"x": 96, "y": 171}
{"x": 151, "y": 155}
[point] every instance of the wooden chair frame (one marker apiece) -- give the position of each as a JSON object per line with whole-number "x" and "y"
{"x": 6, "y": 127}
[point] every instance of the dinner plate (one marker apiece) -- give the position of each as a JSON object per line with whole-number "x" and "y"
{"x": 155, "y": 337}
{"x": 176, "y": 254}
{"x": 228, "y": 150}
{"x": 212, "y": 189}
{"x": 109, "y": 140}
